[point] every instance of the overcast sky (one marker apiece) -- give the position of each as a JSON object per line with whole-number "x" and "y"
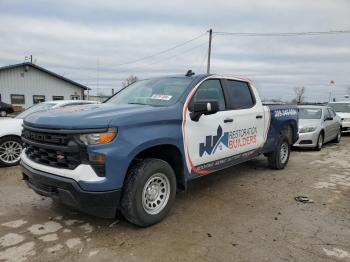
{"x": 74, "y": 38}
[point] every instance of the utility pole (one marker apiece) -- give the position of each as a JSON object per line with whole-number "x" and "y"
{"x": 209, "y": 50}
{"x": 332, "y": 82}
{"x": 31, "y": 59}
{"x": 98, "y": 78}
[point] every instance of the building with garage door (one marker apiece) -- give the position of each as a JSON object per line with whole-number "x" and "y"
{"x": 25, "y": 84}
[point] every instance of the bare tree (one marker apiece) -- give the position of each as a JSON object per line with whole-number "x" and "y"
{"x": 130, "y": 80}
{"x": 299, "y": 95}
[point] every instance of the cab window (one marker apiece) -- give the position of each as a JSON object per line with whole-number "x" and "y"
{"x": 239, "y": 94}
{"x": 210, "y": 90}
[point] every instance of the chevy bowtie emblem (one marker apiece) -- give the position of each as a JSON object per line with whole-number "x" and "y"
{"x": 60, "y": 157}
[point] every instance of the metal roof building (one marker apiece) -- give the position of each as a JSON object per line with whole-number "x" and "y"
{"x": 26, "y": 84}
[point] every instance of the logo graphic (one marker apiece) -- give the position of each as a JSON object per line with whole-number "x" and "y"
{"x": 60, "y": 157}
{"x": 231, "y": 140}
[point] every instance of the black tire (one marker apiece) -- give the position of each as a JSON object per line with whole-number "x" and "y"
{"x": 3, "y": 113}
{"x": 275, "y": 159}
{"x": 319, "y": 142}
{"x": 338, "y": 137}
{"x": 4, "y": 141}
{"x": 132, "y": 204}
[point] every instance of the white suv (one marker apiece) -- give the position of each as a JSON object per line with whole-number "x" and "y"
{"x": 343, "y": 110}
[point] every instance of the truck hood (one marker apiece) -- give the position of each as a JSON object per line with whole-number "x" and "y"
{"x": 89, "y": 116}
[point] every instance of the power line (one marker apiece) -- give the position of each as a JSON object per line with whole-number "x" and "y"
{"x": 112, "y": 79}
{"x": 332, "y": 32}
{"x": 202, "y": 62}
{"x": 161, "y": 52}
{"x": 166, "y": 58}
{"x": 111, "y": 68}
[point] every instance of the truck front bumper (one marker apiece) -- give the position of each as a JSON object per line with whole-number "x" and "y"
{"x": 101, "y": 204}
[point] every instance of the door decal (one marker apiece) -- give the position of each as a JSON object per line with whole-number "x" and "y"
{"x": 228, "y": 140}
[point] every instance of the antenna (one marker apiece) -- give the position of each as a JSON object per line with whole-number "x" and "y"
{"x": 190, "y": 73}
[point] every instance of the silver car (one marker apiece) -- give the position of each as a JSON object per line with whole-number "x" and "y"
{"x": 317, "y": 126}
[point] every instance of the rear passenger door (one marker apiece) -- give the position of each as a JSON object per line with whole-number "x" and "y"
{"x": 247, "y": 113}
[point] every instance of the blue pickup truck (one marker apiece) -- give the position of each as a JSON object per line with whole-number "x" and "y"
{"x": 136, "y": 150}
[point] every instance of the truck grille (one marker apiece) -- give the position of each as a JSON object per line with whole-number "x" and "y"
{"x": 51, "y": 149}
{"x": 56, "y": 139}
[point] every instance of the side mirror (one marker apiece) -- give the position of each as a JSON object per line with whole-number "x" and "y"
{"x": 203, "y": 108}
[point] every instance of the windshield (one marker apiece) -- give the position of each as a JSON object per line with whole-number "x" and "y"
{"x": 340, "y": 107}
{"x": 153, "y": 92}
{"x": 35, "y": 108}
{"x": 310, "y": 113}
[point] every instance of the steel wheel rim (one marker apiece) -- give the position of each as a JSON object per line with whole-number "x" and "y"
{"x": 10, "y": 152}
{"x": 155, "y": 194}
{"x": 3, "y": 113}
{"x": 284, "y": 153}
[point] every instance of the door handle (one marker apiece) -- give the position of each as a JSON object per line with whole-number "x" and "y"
{"x": 228, "y": 120}
{"x": 259, "y": 116}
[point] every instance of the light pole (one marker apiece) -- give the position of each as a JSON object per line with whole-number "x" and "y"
{"x": 209, "y": 50}
{"x": 330, "y": 92}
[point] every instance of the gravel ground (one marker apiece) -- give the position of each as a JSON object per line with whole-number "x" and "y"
{"x": 245, "y": 213}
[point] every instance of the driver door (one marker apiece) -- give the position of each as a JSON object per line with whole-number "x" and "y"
{"x": 202, "y": 137}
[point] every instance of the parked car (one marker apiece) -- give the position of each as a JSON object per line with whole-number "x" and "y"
{"x": 136, "y": 150}
{"x": 317, "y": 126}
{"x": 343, "y": 110}
{"x": 11, "y": 129}
{"x": 5, "y": 109}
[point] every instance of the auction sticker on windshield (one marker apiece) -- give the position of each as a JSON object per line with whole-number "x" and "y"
{"x": 161, "y": 97}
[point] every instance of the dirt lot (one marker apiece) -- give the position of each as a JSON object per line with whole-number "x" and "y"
{"x": 246, "y": 213}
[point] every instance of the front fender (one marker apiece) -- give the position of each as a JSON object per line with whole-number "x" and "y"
{"x": 129, "y": 143}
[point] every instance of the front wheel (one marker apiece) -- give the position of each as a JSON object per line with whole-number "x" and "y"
{"x": 149, "y": 192}
{"x": 3, "y": 113}
{"x": 319, "y": 142}
{"x": 10, "y": 151}
{"x": 279, "y": 158}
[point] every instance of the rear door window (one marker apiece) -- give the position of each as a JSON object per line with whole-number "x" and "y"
{"x": 239, "y": 94}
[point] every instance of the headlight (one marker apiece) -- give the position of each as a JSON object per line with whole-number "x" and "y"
{"x": 345, "y": 119}
{"x": 98, "y": 138}
{"x": 307, "y": 129}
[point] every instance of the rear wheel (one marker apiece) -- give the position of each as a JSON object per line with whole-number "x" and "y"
{"x": 149, "y": 192}
{"x": 3, "y": 113}
{"x": 319, "y": 142}
{"x": 10, "y": 151}
{"x": 279, "y": 158}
